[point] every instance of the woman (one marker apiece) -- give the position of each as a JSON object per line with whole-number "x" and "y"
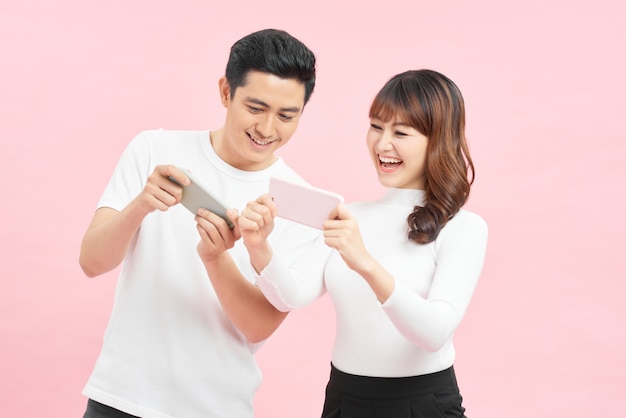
{"x": 401, "y": 270}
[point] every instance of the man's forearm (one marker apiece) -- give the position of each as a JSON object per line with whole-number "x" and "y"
{"x": 105, "y": 243}
{"x": 242, "y": 301}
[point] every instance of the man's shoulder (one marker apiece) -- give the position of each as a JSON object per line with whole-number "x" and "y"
{"x": 167, "y": 139}
{"x": 168, "y": 134}
{"x": 283, "y": 171}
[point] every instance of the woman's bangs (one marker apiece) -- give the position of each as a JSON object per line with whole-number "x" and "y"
{"x": 388, "y": 107}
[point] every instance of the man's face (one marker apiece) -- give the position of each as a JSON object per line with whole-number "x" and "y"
{"x": 261, "y": 117}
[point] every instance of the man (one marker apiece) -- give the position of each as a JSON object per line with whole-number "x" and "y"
{"x": 187, "y": 317}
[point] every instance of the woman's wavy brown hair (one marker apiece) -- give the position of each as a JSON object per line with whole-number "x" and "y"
{"x": 431, "y": 103}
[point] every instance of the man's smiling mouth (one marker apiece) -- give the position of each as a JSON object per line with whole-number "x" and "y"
{"x": 259, "y": 141}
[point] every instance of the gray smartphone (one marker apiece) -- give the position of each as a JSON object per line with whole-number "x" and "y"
{"x": 196, "y": 196}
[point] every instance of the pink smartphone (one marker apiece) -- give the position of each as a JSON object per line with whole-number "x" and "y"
{"x": 304, "y": 204}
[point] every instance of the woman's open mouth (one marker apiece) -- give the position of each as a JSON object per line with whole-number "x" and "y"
{"x": 388, "y": 164}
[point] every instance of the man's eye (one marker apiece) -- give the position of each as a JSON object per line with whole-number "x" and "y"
{"x": 285, "y": 118}
{"x": 255, "y": 109}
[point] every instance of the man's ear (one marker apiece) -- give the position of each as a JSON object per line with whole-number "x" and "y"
{"x": 224, "y": 87}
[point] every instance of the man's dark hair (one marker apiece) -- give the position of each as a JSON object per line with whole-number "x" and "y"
{"x": 275, "y": 52}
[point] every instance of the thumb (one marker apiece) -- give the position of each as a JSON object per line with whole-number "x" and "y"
{"x": 233, "y": 215}
{"x": 340, "y": 212}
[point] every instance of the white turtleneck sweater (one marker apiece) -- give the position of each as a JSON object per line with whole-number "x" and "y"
{"x": 411, "y": 333}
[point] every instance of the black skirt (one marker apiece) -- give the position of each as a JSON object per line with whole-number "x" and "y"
{"x": 434, "y": 395}
{"x": 98, "y": 410}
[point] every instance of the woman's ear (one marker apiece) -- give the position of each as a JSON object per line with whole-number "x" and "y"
{"x": 224, "y": 88}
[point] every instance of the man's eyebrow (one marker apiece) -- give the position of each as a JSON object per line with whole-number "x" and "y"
{"x": 294, "y": 109}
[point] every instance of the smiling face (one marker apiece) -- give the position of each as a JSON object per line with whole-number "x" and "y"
{"x": 398, "y": 152}
{"x": 261, "y": 117}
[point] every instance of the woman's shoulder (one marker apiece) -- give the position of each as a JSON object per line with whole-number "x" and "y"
{"x": 467, "y": 221}
{"x": 364, "y": 206}
{"x": 466, "y": 229}
{"x": 469, "y": 216}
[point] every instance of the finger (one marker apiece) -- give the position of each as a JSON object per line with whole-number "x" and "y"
{"x": 333, "y": 224}
{"x": 206, "y": 236}
{"x": 218, "y": 224}
{"x": 209, "y": 231}
{"x": 153, "y": 197}
{"x": 333, "y": 233}
{"x": 342, "y": 212}
{"x": 256, "y": 213}
{"x": 262, "y": 206}
{"x": 334, "y": 213}
{"x": 268, "y": 201}
{"x": 233, "y": 216}
{"x": 173, "y": 173}
{"x": 245, "y": 224}
{"x": 330, "y": 241}
{"x": 167, "y": 191}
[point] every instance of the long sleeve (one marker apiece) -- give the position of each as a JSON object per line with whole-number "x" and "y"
{"x": 292, "y": 286}
{"x": 430, "y": 322}
{"x": 412, "y": 332}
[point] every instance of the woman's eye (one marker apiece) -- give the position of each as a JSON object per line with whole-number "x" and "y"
{"x": 375, "y": 127}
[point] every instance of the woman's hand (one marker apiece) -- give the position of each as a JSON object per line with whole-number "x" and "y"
{"x": 341, "y": 232}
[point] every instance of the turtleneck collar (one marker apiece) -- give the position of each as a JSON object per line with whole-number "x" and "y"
{"x": 404, "y": 197}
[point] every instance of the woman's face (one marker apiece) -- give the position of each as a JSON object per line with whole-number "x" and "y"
{"x": 398, "y": 152}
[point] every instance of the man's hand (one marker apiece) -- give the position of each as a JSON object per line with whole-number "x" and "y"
{"x": 256, "y": 223}
{"x": 110, "y": 232}
{"x": 160, "y": 193}
{"x": 215, "y": 235}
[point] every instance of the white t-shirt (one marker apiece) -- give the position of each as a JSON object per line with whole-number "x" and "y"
{"x": 411, "y": 333}
{"x": 169, "y": 349}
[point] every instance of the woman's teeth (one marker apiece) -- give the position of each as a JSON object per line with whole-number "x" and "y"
{"x": 387, "y": 160}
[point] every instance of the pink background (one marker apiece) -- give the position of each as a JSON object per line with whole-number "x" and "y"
{"x": 544, "y": 88}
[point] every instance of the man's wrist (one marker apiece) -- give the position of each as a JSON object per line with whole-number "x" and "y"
{"x": 260, "y": 256}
